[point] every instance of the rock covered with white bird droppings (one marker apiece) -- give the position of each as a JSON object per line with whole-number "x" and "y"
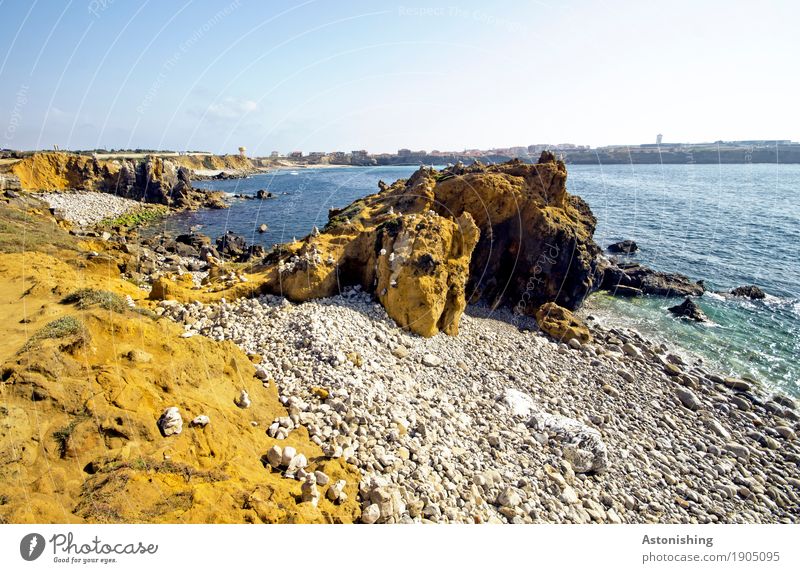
{"x": 170, "y": 423}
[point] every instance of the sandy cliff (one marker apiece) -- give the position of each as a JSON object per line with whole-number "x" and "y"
{"x": 85, "y": 380}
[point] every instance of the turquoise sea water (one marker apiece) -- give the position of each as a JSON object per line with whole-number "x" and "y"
{"x": 729, "y": 225}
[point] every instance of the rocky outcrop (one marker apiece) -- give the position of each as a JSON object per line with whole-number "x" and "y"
{"x": 749, "y": 291}
{"x": 9, "y": 183}
{"x": 417, "y": 265}
{"x": 509, "y": 234}
{"x": 152, "y": 179}
{"x": 689, "y": 309}
{"x": 630, "y": 279}
{"x": 235, "y": 248}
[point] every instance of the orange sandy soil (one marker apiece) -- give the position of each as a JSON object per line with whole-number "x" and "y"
{"x": 78, "y": 410}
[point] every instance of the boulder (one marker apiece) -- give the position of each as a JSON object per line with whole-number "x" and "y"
{"x": 689, "y": 309}
{"x": 561, "y": 324}
{"x": 170, "y": 423}
{"x": 196, "y": 240}
{"x": 626, "y": 246}
{"x": 10, "y": 184}
{"x": 749, "y": 291}
{"x": 231, "y": 245}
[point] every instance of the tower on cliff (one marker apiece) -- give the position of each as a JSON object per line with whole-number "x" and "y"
{"x": 242, "y": 151}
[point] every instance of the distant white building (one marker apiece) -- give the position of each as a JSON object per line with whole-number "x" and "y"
{"x": 659, "y": 137}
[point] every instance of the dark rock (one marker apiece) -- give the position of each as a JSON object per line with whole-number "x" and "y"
{"x": 737, "y": 384}
{"x": 749, "y": 291}
{"x": 185, "y": 250}
{"x": 688, "y": 309}
{"x": 195, "y": 240}
{"x": 626, "y": 246}
{"x": 614, "y": 274}
{"x": 231, "y": 245}
{"x": 207, "y": 251}
{"x": 213, "y": 200}
{"x": 262, "y": 228}
{"x": 264, "y": 194}
{"x": 688, "y": 398}
{"x": 784, "y": 401}
{"x": 621, "y": 290}
{"x": 254, "y": 252}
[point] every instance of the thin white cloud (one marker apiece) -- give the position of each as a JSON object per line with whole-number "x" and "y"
{"x": 231, "y": 108}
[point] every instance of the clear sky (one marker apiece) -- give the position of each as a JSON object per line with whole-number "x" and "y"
{"x": 318, "y": 75}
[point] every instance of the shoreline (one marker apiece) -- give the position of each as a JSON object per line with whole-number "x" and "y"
{"x": 501, "y": 423}
{"x": 518, "y": 442}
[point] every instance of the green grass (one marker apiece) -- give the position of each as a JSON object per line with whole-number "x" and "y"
{"x": 60, "y": 328}
{"x": 87, "y": 297}
{"x": 137, "y": 218}
{"x": 20, "y": 232}
{"x": 169, "y": 467}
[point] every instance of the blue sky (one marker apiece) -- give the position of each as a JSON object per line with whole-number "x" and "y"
{"x": 321, "y": 75}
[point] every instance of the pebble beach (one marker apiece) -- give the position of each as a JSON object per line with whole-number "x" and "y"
{"x": 503, "y": 424}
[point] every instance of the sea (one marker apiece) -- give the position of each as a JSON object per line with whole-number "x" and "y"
{"x": 729, "y": 225}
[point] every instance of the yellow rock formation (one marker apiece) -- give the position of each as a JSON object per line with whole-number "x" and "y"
{"x": 561, "y": 324}
{"x": 508, "y": 234}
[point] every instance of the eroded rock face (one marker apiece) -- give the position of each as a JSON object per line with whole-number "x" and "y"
{"x": 153, "y": 179}
{"x": 508, "y": 234}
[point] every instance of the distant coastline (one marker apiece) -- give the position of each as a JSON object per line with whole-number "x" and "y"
{"x": 719, "y": 152}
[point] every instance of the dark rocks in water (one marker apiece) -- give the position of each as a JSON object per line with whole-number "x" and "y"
{"x": 231, "y": 245}
{"x": 617, "y": 274}
{"x": 223, "y": 175}
{"x": 214, "y": 200}
{"x": 689, "y": 309}
{"x": 749, "y": 291}
{"x": 262, "y": 228}
{"x": 264, "y": 194}
{"x": 627, "y": 291}
{"x": 626, "y": 246}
